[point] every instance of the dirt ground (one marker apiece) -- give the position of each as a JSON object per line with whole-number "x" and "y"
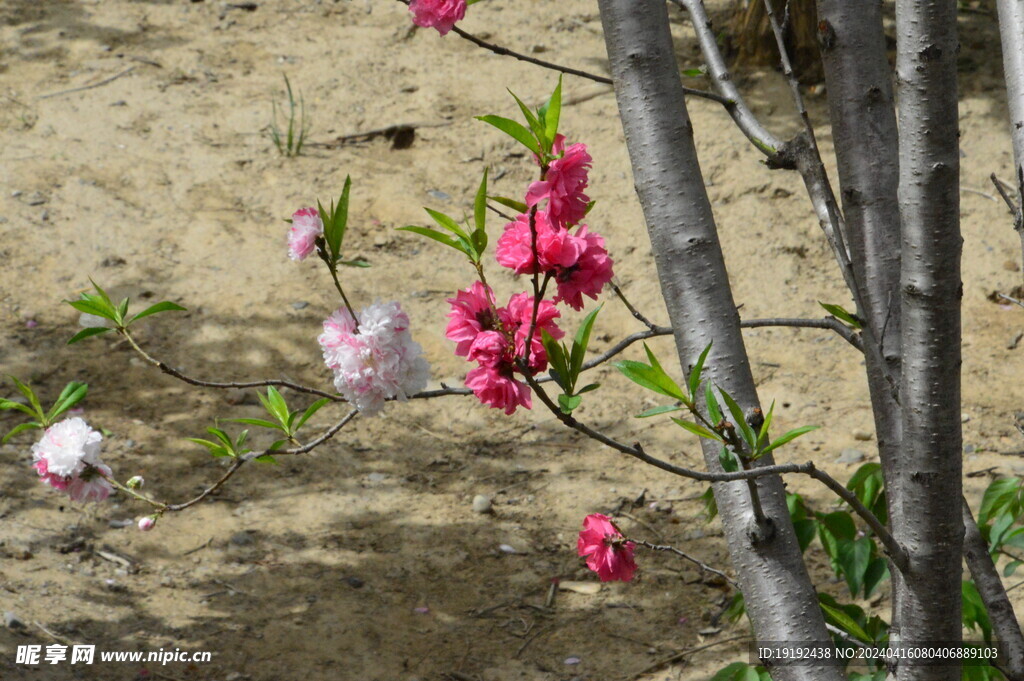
{"x": 135, "y": 151}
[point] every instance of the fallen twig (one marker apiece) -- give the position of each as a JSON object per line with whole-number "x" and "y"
{"x": 89, "y": 87}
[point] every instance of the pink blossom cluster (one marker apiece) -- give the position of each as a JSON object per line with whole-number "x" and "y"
{"x": 439, "y": 14}
{"x": 494, "y": 337}
{"x": 307, "y": 227}
{"x": 375, "y": 359}
{"x": 67, "y": 458}
{"x": 547, "y": 240}
{"x": 608, "y": 552}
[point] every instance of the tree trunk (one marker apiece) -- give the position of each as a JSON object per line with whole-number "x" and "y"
{"x": 929, "y": 526}
{"x": 781, "y": 601}
{"x": 754, "y": 44}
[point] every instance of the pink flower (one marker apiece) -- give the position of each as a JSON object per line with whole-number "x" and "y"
{"x": 490, "y": 349}
{"x": 439, "y": 14}
{"x": 563, "y": 184}
{"x": 498, "y": 389}
{"x": 608, "y": 553}
{"x": 53, "y": 480}
{"x": 588, "y": 276}
{"x": 306, "y": 227}
{"x": 376, "y": 361}
{"x": 471, "y": 313}
{"x": 518, "y": 316}
{"x": 147, "y": 523}
{"x": 90, "y": 486}
{"x": 556, "y": 248}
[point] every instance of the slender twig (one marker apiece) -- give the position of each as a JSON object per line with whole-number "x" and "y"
{"x": 337, "y": 284}
{"x": 505, "y": 52}
{"x": 1015, "y": 210}
{"x": 894, "y": 549}
{"x": 632, "y": 310}
{"x": 676, "y": 657}
{"x": 703, "y": 566}
{"x": 89, "y": 87}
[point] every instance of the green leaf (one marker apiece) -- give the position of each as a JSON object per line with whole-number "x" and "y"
{"x": 580, "y": 343}
{"x": 854, "y": 557}
{"x": 791, "y": 435}
{"x": 93, "y": 308}
{"x": 1011, "y": 567}
{"x": 534, "y": 122}
{"x": 448, "y": 223}
{"x": 695, "y": 73}
{"x": 480, "y": 206}
{"x": 25, "y": 390}
{"x": 730, "y": 672}
{"x": 19, "y": 428}
{"x": 72, "y": 394}
{"x": 310, "y": 410}
{"x": 334, "y": 234}
{"x": 805, "y": 529}
{"x": 710, "y": 505}
{"x": 841, "y": 314}
{"x": 556, "y": 357}
{"x": 714, "y": 411}
{"x": 433, "y": 234}
{"x": 877, "y": 571}
{"x": 762, "y": 435}
{"x": 840, "y": 524}
{"x": 568, "y": 402}
{"x": 551, "y": 112}
{"x": 698, "y": 430}
{"x": 262, "y": 423}
{"x": 215, "y": 449}
{"x": 517, "y": 206}
{"x": 728, "y": 460}
{"x": 650, "y": 378}
{"x": 514, "y": 130}
{"x": 588, "y": 388}
{"x": 355, "y": 262}
{"x": 656, "y": 411}
{"x": 693, "y": 383}
{"x": 838, "y": 618}
{"x": 1000, "y": 493}
{"x": 11, "y": 404}
{"x": 266, "y": 458}
{"x": 86, "y": 333}
{"x": 737, "y": 414}
{"x": 165, "y": 306}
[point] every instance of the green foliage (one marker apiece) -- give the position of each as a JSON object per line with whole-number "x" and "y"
{"x": 289, "y": 142}
{"x": 538, "y": 135}
{"x": 285, "y": 420}
{"x": 99, "y": 304}
{"x": 335, "y": 221}
{"x": 471, "y": 242}
{"x": 840, "y": 313}
{"x": 73, "y": 393}
{"x": 567, "y": 363}
{"x": 741, "y": 671}
{"x": 974, "y": 613}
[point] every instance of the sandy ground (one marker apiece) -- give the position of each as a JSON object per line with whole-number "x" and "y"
{"x": 364, "y": 560}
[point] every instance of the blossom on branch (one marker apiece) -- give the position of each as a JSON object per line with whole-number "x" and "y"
{"x": 67, "y": 458}
{"x": 588, "y": 275}
{"x": 608, "y": 552}
{"x": 496, "y": 339}
{"x": 439, "y": 14}
{"x": 306, "y": 229}
{"x": 375, "y": 360}
{"x": 563, "y": 184}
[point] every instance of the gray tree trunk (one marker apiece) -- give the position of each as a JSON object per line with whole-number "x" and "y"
{"x": 781, "y": 601}
{"x": 929, "y": 526}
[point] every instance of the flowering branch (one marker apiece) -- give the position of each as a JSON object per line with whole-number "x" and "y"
{"x": 892, "y": 547}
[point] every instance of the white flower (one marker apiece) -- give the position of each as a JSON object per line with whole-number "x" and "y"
{"x": 67, "y": 446}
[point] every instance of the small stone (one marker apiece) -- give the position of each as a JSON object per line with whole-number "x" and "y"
{"x": 506, "y": 548}
{"x": 242, "y": 539}
{"x": 439, "y": 195}
{"x": 964, "y": 418}
{"x": 709, "y": 631}
{"x": 12, "y": 621}
{"x": 968, "y": 449}
{"x": 1011, "y": 266}
{"x": 120, "y": 522}
{"x": 300, "y": 305}
{"x": 850, "y": 455}
{"x": 377, "y": 477}
{"x": 482, "y": 504}
{"x": 538, "y": 49}
{"x": 862, "y": 435}
{"x": 572, "y": 660}
{"x": 237, "y": 396}
{"x": 1015, "y": 340}
{"x": 354, "y": 582}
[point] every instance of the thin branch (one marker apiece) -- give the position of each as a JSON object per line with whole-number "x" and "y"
{"x": 895, "y": 551}
{"x": 1015, "y": 210}
{"x": 632, "y": 310}
{"x": 703, "y": 566}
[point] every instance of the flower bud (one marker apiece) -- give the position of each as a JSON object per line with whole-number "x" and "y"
{"x": 135, "y": 482}
{"x": 147, "y": 523}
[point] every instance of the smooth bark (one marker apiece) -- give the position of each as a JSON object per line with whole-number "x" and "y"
{"x": 781, "y": 601}
{"x": 1011, "y": 30}
{"x": 929, "y": 527}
